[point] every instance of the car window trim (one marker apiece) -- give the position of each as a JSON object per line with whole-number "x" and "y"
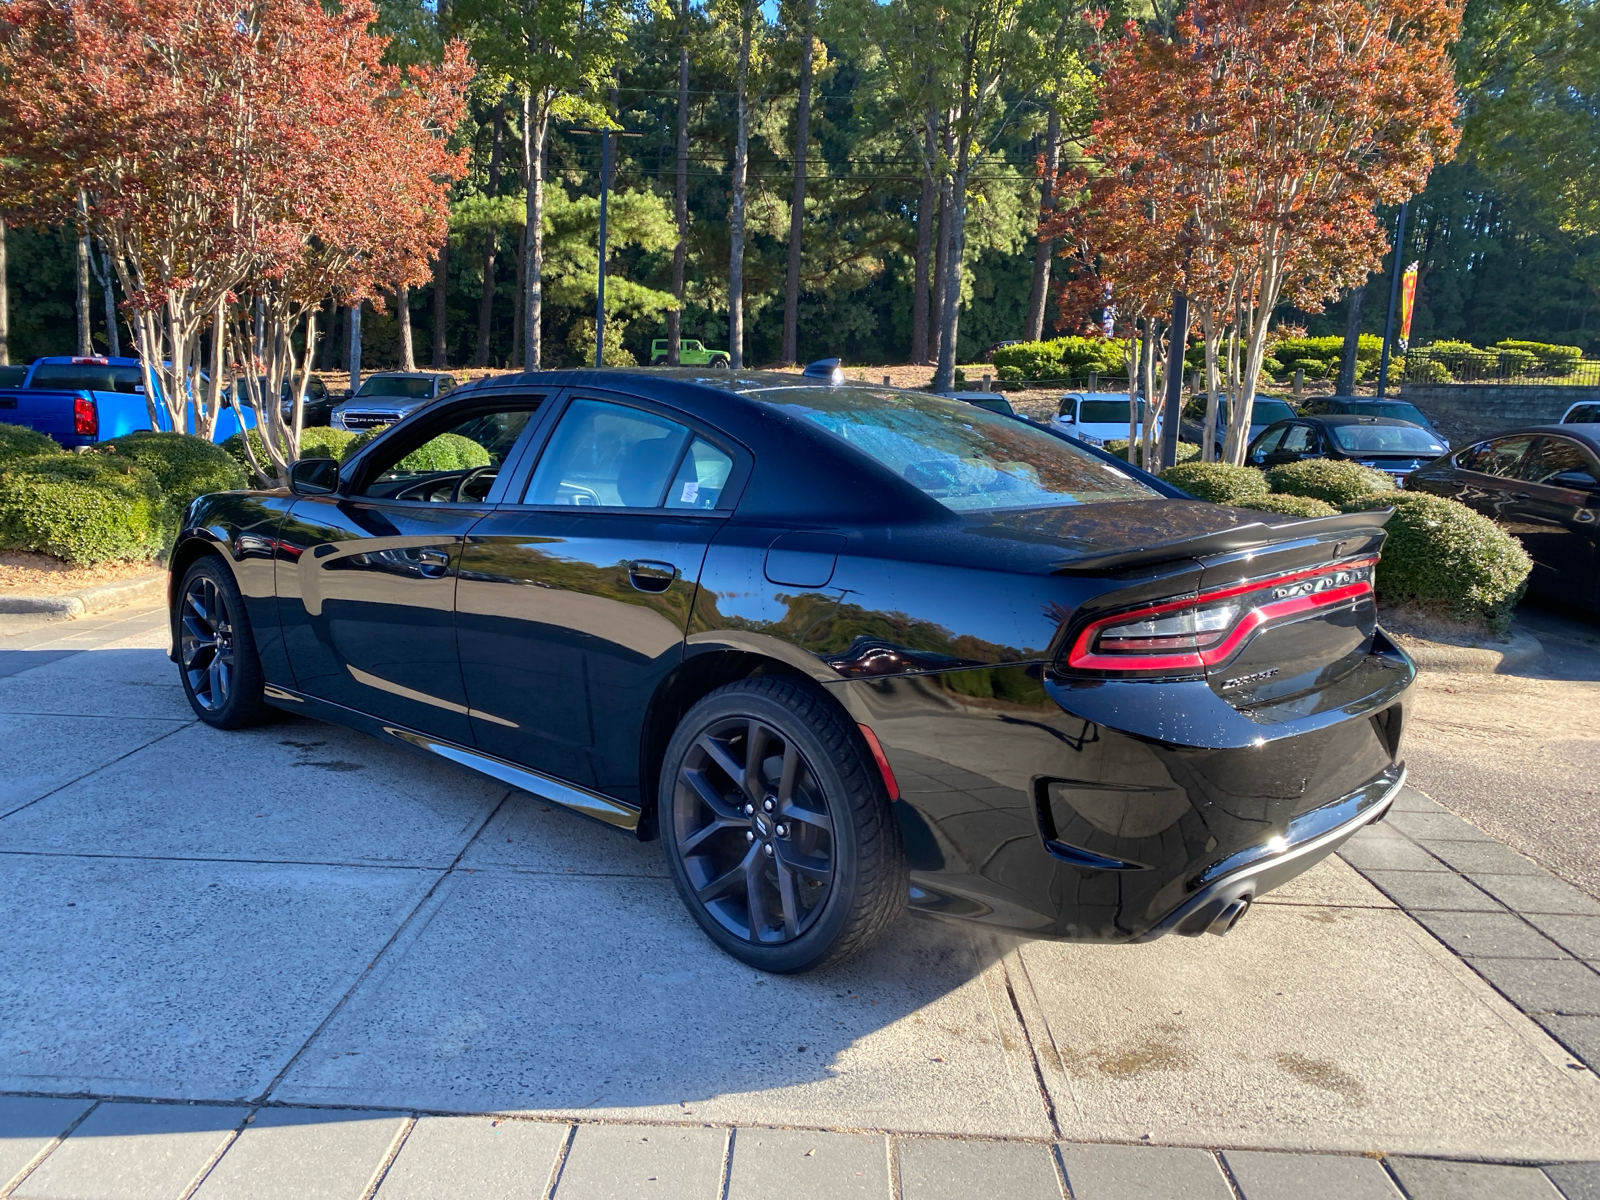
{"x": 743, "y": 460}
{"x": 467, "y": 404}
{"x": 1536, "y": 447}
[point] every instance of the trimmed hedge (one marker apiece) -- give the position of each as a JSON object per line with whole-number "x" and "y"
{"x": 18, "y": 442}
{"x": 1326, "y": 480}
{"x": 85, "y": 508}
{"x": 1219, "y": 483}
{"x": 315, "y": 442}
{"x": 1187, "y": 451}
{"x": 1294, "y": 506}
{"x": 1443, "y": 556}
{"x": 1319, "y": 357}
{"x": 1058, "y": 358}
{"x": 184, "y": 466}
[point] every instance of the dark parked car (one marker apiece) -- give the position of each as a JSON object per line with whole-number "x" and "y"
{"x": 993, "y": 401}
{"x": 316, "y": 403}
{"x": 1543, "y": 485}
{"x": 1367, "y": 406}
{"x": 1396, "y": 447}
{"x": 1263, "y": 412}
{"x": 841, "y": 648}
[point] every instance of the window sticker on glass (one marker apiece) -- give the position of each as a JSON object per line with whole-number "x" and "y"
{"x": 701, "y": 477}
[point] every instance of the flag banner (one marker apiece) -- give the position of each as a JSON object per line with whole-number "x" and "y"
{"x": 1408, "y": 296}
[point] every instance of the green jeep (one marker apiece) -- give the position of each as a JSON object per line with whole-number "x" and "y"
{"x": 690, "y": 353}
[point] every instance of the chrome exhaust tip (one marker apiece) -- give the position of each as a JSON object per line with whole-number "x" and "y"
{"x": 1230, "y": 914}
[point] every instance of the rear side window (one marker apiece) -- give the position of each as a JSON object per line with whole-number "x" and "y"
{"x": 85, "y": 377}
{"x": 967, "y": 459}
{"x": 1500, "y": 457}
{"x": 1557, "y": 456}
{"x": 1582, "y": 414}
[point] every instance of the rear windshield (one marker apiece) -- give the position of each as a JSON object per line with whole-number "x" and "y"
{"x": 998, "y": 405}
{"x": 967, "y": 459}
{"x": 397, "y": 385}
{"x": 1265, "y": 411}
{"x": 1106, "y": 412}
{"x": 85, "y": 377}
{"x": 1583, "y": 414}
{"x": 1385, "y": 439}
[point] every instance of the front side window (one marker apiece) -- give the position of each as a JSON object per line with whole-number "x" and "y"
{"x": 1582, "y": 414}
{"x": 967, "y": 459}
{"x": 605, "y": 455}
{"x": 1301, "y": 439}
{"x": 1269, "y": 441}
{"x": 1558, "y": 457}
{"x": 455, "y": 466}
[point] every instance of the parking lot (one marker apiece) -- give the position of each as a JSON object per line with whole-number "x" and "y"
{"x": 297, "y": 962}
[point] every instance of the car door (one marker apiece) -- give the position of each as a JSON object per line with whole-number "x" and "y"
{"x": 575, "y": 594}
{"x": 1494, "y": 475}
{"x": 366, "y": 577}
{"x": 1266, "y": 445}
{"x": 1554, "y": 514}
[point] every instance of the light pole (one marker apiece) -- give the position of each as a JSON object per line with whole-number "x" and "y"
{"x": 1394, "y": 301}
{"x": 606, "y": 152}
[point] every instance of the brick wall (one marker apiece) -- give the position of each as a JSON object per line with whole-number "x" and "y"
{"x": 1466, "y": 412}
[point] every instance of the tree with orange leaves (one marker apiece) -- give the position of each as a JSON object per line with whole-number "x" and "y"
{"x": 1249, "y": 150}
{"x": 227, "y": 149}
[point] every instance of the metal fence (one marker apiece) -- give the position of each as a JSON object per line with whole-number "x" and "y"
{"x": 1426, "y": 365}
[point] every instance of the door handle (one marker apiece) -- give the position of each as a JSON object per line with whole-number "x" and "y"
{"x": 433, "y": 563}
{"x": 1521, "y": 496}
{"x": 651, "y": 575}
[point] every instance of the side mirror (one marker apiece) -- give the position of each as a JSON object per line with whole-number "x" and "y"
{"x": 313, "y": 476}
{"x": 1580, "y": 481}
{"x": 1069, "y": 418}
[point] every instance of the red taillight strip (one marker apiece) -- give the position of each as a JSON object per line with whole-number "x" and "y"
{"x": 1081, "y": 656}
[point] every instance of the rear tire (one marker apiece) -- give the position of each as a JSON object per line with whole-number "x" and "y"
{"x": 777, "y": 828}
{"x": 217, "y": 659}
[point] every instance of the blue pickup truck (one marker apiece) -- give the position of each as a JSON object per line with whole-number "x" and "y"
{"x": 80, "y": 401}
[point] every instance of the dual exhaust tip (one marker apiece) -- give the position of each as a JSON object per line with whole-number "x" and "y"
{"x": 1218, "y": 916}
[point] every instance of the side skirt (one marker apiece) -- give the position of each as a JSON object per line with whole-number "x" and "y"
{"x": 605, "y": 809}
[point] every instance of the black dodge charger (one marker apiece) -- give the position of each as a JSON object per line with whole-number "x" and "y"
{"x": 840, "y": 648}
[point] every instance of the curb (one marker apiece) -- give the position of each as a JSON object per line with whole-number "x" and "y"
{"x": 1522, "y": 651}
{"x": 71, "y": 605}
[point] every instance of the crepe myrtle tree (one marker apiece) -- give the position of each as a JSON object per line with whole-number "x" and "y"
{"x": 225, "y": 152}
{"x": 1273, "y": 129}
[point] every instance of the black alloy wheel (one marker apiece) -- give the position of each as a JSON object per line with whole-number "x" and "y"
{"x": 216, "y": 648}
{"x": 777, "y": 827}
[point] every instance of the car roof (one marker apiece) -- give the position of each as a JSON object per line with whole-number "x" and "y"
{"x": 405, "y": 375}
{"x": 1333, "y": 419}
{"x": 1095, "y": 396}
{"x": 61, "y": 360}
{"x": 1362, "y": 400}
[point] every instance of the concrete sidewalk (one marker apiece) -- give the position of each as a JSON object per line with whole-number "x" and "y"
{"x": 296, "y": 962}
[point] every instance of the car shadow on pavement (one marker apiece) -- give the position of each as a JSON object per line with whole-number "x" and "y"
{"x": 1570, "y": 637}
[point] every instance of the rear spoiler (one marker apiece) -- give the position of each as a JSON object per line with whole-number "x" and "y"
{"x": 1230, "y": 541}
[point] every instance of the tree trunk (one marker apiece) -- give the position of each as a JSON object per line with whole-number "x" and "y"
{"x": 441, "y": 290}
{"x": 491, "y": 238}
{"x": 1352, "y": 341}
{"x": 927, "y": 218}
{"x": 941, "y": 257}
{"x": 797, "y": 204}
{"x": 1045, "y": 250}
{"x": 522, "y": 298}
{"x": 1212, "y": 334}
{"x": 944, "y": 375}
{"x": 533, "y": 136}
{"x": 402, "y": 314}
{"x": 741, "y": 151}
{"x": 85, "y": 339}
{"x": 1172, "y": 404}
{"x": 330, "y": 344}
{"x": 5, "y": 302}
{"x": 680, "y": 196}
{"x": 355, "y": 347}
{"x": 1147, "y": 388}
{"x": 109, "y": 292}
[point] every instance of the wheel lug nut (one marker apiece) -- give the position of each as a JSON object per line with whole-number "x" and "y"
{"x": 748, "y": 836}
{"x": 749, "y": 810}
{"x": 782, "y": 831}
{"x": 767, "y": 805}
{"x": 767, "y": 849}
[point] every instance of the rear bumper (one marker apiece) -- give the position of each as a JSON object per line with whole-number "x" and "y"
{"x": 1225, "y": 891}
{"x": 1092, "y": 812}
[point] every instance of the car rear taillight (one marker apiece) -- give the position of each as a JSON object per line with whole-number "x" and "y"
{"x": 1196, "y": 632}
{"x": 85, "y": 417}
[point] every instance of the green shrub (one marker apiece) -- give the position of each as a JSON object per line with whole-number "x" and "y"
{"x": 184, "y": 466}
{"x": 18, "y": 442}
{"x": 1219, "y": 483}
{"x": 316, "y": 442}
{"x": 1443, "y": 556}
{"x": 85, "y": 508}
{"x": 1059, "y": 358}
{"x": 1550, "y": 359}
{"x": 1294, "y": 506}
{"x": 1463, "y": 360}
{"x": 447, "y": 452}
{"x": 1419, "y": 368}
{"x": 1319, "y": 357}
{"x": 1187, "y": 452}
{"x": 1326, "y": 480}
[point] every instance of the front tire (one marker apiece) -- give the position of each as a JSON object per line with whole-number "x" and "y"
{"x": 217, "y": 659}
{"x": 777, "y": 827}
